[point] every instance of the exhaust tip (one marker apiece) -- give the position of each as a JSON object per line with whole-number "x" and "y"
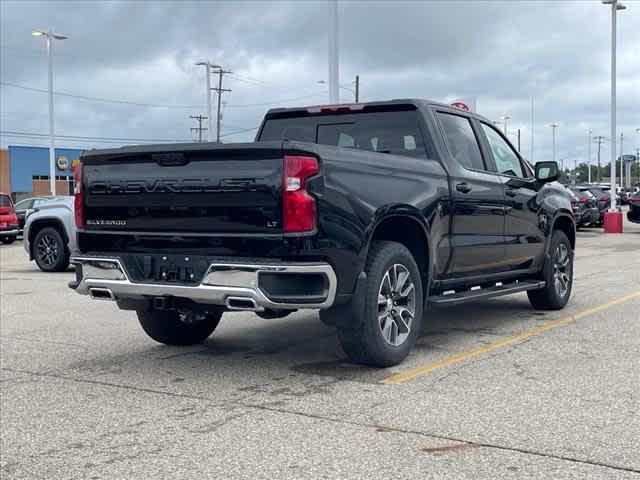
{"x": 242, "y": 303}
{"x": 101, "y": 294}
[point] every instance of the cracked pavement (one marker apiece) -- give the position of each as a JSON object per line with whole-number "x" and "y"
{"x": 85, "y": 394}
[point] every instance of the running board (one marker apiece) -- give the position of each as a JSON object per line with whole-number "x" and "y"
{"x": 474, "y": 294}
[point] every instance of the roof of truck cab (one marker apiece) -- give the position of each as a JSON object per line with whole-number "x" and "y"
{"x": 382, "y": 103}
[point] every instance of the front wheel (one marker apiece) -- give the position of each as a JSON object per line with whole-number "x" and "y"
{"x": 383, "y": 331}
{"x": 174, "y": 328}
{"x": 558, "y": 275}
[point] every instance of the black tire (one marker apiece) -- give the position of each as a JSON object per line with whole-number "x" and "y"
{"x": 50, "y": 251}
{"x": 8, "y": 240}
{"x": 165, "y": 326}
{"x": 558, "y": 278}
{"x": 362, "y": 336}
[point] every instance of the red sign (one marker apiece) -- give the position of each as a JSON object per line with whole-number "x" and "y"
{"x": 461, "y": 106}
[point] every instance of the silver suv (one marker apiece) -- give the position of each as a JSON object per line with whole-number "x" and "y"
{"x": 49, "y": 235}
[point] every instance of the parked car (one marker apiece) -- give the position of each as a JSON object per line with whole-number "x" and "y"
{"x": 8, "y": 220}
{"x": 49, "y": 234}
{"x": 633, "y": 215}
{"x": 26, "y": 206}
{"x": 603, "y": 200}
{"x": 585, "y": 207}
{"x": 368, "y": 212}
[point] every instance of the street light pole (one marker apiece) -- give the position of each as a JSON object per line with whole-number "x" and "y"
{"x": 505, "y": 118}
{"x": 52, "y": 141}
{"x": 615, "y": 6}
{"x": 357, "y": 88}
{"x": 553, "y": 133}
{"x": 621, "y": 161}
{"x": 334, "y": 73}
{"x": 589, "y": 154}
{"x": 49, "y": 37}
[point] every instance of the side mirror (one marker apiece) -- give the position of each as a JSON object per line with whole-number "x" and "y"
{"x": 547, "y": 171}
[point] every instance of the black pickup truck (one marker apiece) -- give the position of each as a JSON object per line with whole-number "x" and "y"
{"x": 370, "y": 212}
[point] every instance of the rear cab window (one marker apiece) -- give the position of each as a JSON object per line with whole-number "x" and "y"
{"x": 396, "y": 132}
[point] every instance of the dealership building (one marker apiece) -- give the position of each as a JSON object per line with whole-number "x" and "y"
{"x": 24, "y": 171}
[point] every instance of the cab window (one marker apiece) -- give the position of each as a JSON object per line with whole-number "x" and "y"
{"x": 507, "y": 162}
{"x": 461, "y": 140}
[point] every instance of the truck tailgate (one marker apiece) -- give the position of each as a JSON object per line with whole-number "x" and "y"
{"x": 184, "y": 189}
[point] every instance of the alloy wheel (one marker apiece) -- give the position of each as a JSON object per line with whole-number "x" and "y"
{"x": 396, "y": 304}
{"x": 47, "y": 250}
{"x": 562, "y": 270}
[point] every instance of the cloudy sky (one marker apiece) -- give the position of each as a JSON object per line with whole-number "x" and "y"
{"x": 127, "y": 71}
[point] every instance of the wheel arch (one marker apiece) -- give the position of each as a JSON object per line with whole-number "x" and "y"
{"x": 41, "y": 223}
{"x": 406, "y": 227}
{"x": 565, "y": 223}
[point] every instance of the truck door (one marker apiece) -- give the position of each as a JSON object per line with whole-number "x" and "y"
{"x": 477, "y": 202}
{"x": 524, "y": 241}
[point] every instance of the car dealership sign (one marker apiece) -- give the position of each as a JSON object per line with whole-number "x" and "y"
{"x": 468, "y": 104}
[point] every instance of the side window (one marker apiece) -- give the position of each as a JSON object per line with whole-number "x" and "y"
{"x": 24, "y": 204}
{"x": 507, "y": 161}
{"x": 461, "y": 140}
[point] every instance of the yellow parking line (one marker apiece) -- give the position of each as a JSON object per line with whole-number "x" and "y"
{"x": 459, "y": 357}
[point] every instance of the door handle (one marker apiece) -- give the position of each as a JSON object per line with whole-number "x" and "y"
{"x": 463, "y": 187}
{"x": 510, "y": 193}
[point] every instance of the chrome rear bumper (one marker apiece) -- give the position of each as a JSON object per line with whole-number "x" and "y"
{"x": 231, "y": 284}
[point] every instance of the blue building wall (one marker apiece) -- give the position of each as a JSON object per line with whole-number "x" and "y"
{"x": 28, "y": 161}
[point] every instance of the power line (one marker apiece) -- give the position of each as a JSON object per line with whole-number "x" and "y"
{"x": 14, "y": 133}
{"x": 276, "y": 102}
{"x": 268, "y": 103}
{"x": 97, "y": 99}
{"x": 242, "y": 130}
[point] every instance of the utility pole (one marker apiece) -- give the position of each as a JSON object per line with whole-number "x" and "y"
{"x": 221, "y": 72}
{"x": 518, "y": 140}
{"x": 599, "y": 139}
{"x": 357, "y": 88}
{"x": 199, "y": 128}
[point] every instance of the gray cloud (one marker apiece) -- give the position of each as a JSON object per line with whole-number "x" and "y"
{"x": 501, "y": 52}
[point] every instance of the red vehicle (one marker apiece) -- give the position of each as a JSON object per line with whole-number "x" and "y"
{"x": 8, "y": 219}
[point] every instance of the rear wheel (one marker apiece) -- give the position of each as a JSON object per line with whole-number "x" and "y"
{"x": 384, "y": 330}
{"x": 50, "y": 250}
{"x": 558, "y": 275}
{"x": 174, "y": 328}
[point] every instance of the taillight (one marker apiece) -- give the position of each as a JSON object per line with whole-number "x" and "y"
{"x": 298, "y": 207}
{"x": 78, "y": 204}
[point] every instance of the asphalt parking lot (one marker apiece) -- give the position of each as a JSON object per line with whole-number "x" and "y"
{"x": 493, "y": 390}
